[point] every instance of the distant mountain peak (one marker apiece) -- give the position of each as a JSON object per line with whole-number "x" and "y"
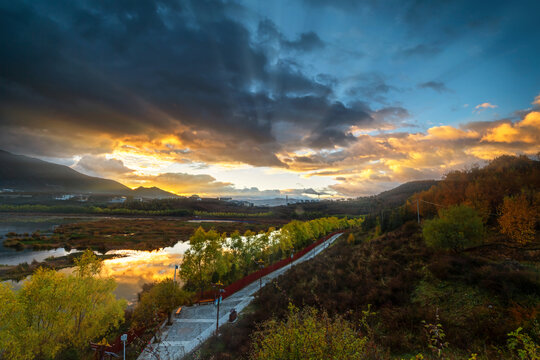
{"x": 153, "y": 192}
{"x": 25, "y": 173}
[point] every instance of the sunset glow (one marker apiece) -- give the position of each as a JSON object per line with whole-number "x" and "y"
{"x": 260, "y": 99}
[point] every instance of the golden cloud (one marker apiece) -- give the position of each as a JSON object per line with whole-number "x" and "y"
{"x": 449, "y": 133}
{"x": 384, "y": 159}
{"x": 380, "y": 160}
{"x": 526, "y": 131}
{"x": 484, "y": 106}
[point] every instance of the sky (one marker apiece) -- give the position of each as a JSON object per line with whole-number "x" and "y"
{"x": 335, "y": 98}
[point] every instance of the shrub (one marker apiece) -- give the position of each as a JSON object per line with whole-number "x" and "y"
{"x": 523, "y": 345}
{"x": 456, "y": 228}
{"x": 307, "y": 334}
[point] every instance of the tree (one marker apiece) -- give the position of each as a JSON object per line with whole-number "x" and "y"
{"x": 307, "y": 334}
{"x": 54, "y": 311}
{"x": 13, "y": 332}
{"x": 214, "y": 257}
{"x": 88, "y": 264}
{"x": 482, "y": 188}
{"x": 203, "y": 258}
{"x": 518, "y": 218}
{"x": 163, "y": 298}
{"x": 456, "y": 228}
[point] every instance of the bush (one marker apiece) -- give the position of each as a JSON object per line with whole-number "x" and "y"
{"x": 307, "y": 334}
{"x": 456, "y": 228}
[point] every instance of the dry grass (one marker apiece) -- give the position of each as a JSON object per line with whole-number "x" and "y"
{"x": 136, "y": 234}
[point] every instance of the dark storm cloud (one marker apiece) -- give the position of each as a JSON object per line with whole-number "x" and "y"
{"x": 437, "y": 86}
{"x": 371, "y": 86}
{"x": 148, "y": 68}
{"x": 269, "y": 34}
{"x": 391, "y": 116}
{"x": 329, "y": 138}
{"x": 307, "y": 42}
{"x": 346, "y": 5}
{"x": 419, "y": 50}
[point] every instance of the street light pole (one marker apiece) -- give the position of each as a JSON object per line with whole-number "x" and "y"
{"x": 261, "y": 265}
{"x": 176, "y": 267}
{"x": 217, "y": 316}
{"x": 124, "y": 339}
{"x": 218, "y": 299}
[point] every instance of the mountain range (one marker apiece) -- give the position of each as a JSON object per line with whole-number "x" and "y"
{"x": 26, "y": 174}
{"x": 23, "y": 173}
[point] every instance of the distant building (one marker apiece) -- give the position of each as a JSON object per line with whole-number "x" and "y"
{"x": 64, "y": 197}
{"x": 118, "y": 200}
{"x": 241, "y": 203}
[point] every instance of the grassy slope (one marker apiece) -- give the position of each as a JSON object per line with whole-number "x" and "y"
{"x": 480, "y": 295}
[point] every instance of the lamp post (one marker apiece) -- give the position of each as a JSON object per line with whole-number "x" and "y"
{"x": 124, "y": 339}
{"x": 260, "y": 262}
{"x": 218, "y": 286}
{"x": 175, "y": 268}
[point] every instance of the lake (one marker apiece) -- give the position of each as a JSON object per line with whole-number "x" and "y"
{"x": 28, "y": 224}
{"x": 131, "y": 271}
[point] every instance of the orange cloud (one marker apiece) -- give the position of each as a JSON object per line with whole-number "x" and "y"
{"x": 449, "y": 133}
{"x": 484, "y": 106}
{"x": 526, "y": 131}
{"x": 371, "y": 161}
{"x": 384, "y": 159}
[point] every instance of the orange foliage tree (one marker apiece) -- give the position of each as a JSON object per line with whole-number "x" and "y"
{"x": 518, "y": 218}
{"x": 483, "y": 189}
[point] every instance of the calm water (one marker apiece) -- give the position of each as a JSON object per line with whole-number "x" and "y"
{"x": 131, "y": 271}
{"x": 28, "y": 224}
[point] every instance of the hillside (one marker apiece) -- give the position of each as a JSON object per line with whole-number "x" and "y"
{"x": 485, "y": 188}
{"x": 398, "y": 195}
{"x": 408, "y": 297}
{"x": 359, "y": 206}
{"x": 478, "y": 297}
{"x": 24, "y": 173}
{"x": 152, "y": 193}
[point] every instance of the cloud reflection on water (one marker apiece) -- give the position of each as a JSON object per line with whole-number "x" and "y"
{"x": 136, "y": 268}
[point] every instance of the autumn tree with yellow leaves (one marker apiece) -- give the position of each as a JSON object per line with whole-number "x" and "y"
{"x": 518, "y": 218}
{"x": 54, "y": 311}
